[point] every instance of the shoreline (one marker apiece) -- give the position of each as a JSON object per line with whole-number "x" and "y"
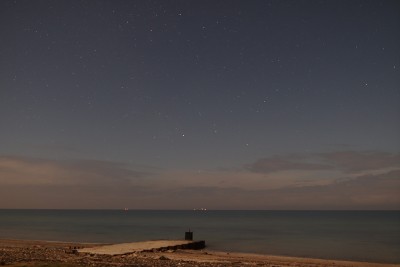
{"x": 14, "y": 252}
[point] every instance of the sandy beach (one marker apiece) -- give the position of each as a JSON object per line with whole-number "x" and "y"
{"x": 45, "y": 253}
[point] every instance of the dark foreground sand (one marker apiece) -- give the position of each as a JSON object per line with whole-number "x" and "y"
{"x": 42, "y": 253}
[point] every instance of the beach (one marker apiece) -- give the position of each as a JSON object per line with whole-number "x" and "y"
{"x": 62, "y": 254}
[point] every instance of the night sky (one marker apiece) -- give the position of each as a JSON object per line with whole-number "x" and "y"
{"x": 189, "y": 104}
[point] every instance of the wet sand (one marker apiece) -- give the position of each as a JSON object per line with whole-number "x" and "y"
{"x": 62, "y": 254}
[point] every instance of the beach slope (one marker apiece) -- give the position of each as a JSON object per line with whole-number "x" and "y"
{"x": 61, "y": 254}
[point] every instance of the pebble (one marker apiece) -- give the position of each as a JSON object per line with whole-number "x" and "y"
{"x": 64, "y": 255}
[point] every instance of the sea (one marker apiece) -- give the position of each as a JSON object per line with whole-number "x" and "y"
{"x": 372, "y": 236}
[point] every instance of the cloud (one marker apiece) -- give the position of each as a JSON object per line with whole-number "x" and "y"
{"x": 331, "y": 180}
{"x": 363, "y": 192}
{"x": 317, "y": 181}
{"x": 276, "y": 164}
{"x": 31, "y": 171}
{"x": 42, "y": 183}
{"x": 355, "y": 161}
{"x": 347, "y": 161}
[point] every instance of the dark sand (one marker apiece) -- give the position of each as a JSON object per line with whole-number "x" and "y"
{"x": 42, "y": 253}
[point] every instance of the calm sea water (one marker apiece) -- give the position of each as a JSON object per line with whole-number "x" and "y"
{"x": 350, "y": 235}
